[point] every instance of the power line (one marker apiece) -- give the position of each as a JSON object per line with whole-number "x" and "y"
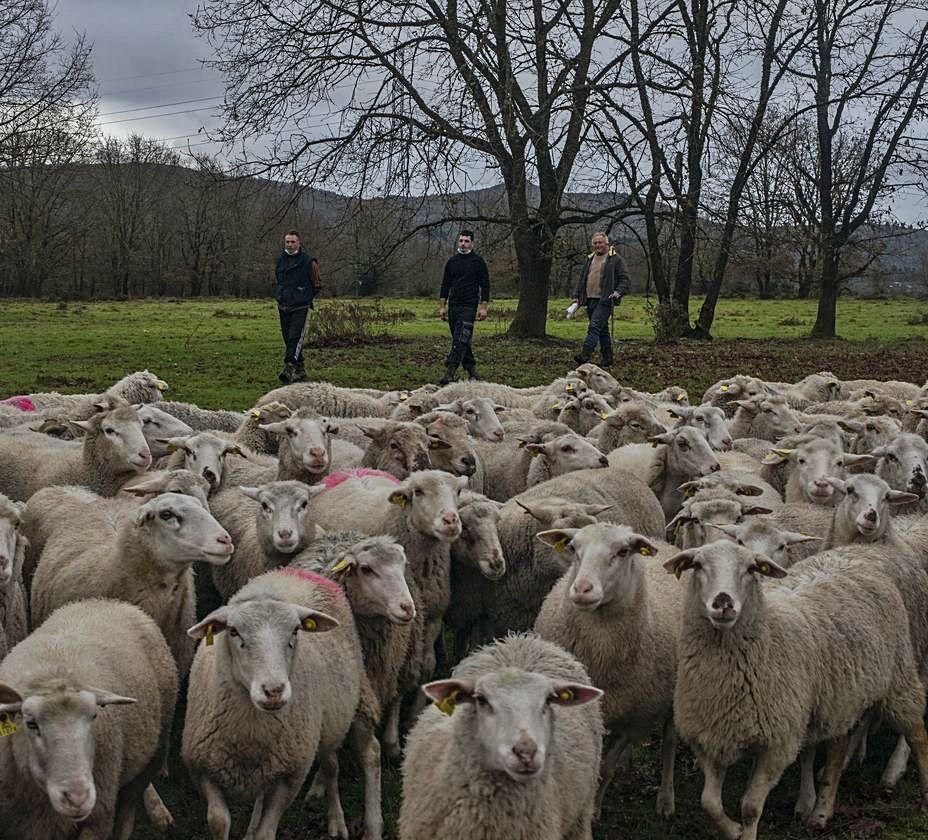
{"x": 162, "y": 105}
{"x": 155, "y": 116}
{"x": 159, "y": 87}
{"x": 150, "y": 75}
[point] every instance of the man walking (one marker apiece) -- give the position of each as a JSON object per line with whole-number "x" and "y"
{"x": 297, "y": 284}
{"x": 603, "y": 282}
{"x": 466, "y": 283}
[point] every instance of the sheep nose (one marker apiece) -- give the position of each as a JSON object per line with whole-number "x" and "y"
{"x": 209, "y": 475}
{"x": 468, "y": 460}
{"x": 317, "y": 452}
{"x": 407, "y": 609}
{"x": 918, "y": 478}
{"x": 870, "y": 516}
{"x": 583, "y": 586}
{"x": 499, "y": 434}
{"x": 716, "y": 467}
{"x": 822, "y": 483}
{"x": 76, "y": 797}
{"x": 224, "y": 539}
{"x": 603, "y": 461}
{"x": 727, "y": 444}
{"x": 449, "y": 518}
{"x": 273, "y": 692}
{"x": 285, "y": 533}
{"x": 722, "y": 601}
{"x": 145, "y": 455}
{"x": 525, "y": 749}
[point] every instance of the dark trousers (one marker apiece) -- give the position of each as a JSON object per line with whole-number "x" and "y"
{"x": 461, "y": 323}
{"x": 293, "y": 330}
{"x": 598, "y": 330}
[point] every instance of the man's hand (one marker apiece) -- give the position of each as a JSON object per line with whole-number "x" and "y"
{"x": 575, "y": 302}
{"x": 615, "y": 296}
{"x": 443, "y": 312}
{"x": 482, "y": 312}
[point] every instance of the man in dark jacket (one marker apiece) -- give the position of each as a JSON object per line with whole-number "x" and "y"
{"x": 297, "y": 284}
{"x": 603, "y": 282}
{"x": 466, "y": 283}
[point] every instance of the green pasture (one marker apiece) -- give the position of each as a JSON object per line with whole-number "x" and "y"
{"x": 227, "y": 352}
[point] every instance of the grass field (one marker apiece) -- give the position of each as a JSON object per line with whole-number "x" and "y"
{"x": 225, "y": 353}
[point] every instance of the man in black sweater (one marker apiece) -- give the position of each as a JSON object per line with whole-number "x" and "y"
{"x": 297, "y": 274}
{"x": 465, "y": 284}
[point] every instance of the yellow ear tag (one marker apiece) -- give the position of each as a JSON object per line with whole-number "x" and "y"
{"x": 399, "y": 501}
{"x": 309, "y": 624}
{"x": 447, "y": 705}
{"x": 160, "y": 385}
{"x": 255, "y": 412}
{"x": 209, "y": 634}
{"x": 555, "y": 407}
{"x": 644, "y": 550}
{"x": 565, "y": 695}
{"x": 764, "y": 569}
{"x": 7, "y": 727}
{"x": 603, "y": 415}
{"x": 681, "y": 397}
{"x": 723, "y": 387}
{"x": 340, "y": 566}
{"x": 678, "y": 569}
{"x": 568, "y": 387}
{"x": 560, "y": 545}
{"x": 910, "y": 402}
{"x": 521, "y": 444}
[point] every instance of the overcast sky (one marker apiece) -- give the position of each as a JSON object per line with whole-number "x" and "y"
{"x": 146, "y": 57}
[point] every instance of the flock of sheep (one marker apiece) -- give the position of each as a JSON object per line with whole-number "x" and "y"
{"x": 594, "y": 564}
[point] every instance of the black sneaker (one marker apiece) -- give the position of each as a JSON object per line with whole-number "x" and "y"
{"x": 449, "y": 376}
{"x": 286, "y": 375}
{"x": 299, "y": 374}
{"x": 581, "y": 358}
{"x": 473, "y": 374}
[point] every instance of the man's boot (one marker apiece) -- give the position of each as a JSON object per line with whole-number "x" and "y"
{"x": 607, "y": 361}
{"x": 473, "y": 374}
{"x": 299, "y": 373}
{"x": 449, "y": 377}
{"x": 583, "y": 356}
{"x": 286, "y": 375}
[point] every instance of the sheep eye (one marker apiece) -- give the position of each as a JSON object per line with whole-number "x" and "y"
{"x": 417, "y": 491}
{"x": 31, "y": 724}
{"x": 166, "y": 515}
{"x": 890, "y": 457}
{"x": 635, "y": 424}
{"x": 233, "y": 632}
{"x": 801, "y": 460}
{"x": 683, "y": 445}
{"x": 109, "y": 430}
{"x": 265, "y": 507}
{"x": 291, "y": 431}
{"x": 394, "y": 445}
{"x": 146, "y": 422}
{"x": 839, "y": 463}
{"x": 851, "y": 491}
{"x": 870, "y": 427}
{"x": 367, "y": 571}
{"x": 480, "y": 700}
{"x": 740, "y": 542}
{"x": 304, "y": 505}
{"x": 567, "y": 449}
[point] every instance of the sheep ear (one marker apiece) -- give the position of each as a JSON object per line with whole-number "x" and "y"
{"x": 679, "y": 563}
{"x": 107, "y": 698}
{"x": 748, "y": 490}
{"x": 528, "y": 510}
{"x": 232, "y": 449}
{"x": 767, "y": 568}
{"x": 754, "y": 510}
{"x": 679, "y": 411}
{"x": 535, "y": 449}
{"x": 10, "y": 699}
{"x": 499, "y": 409}
{"x": 855, "y": 460}
{"x": 689, "y": 488}
{"x": 748, "y": 405}
{"x": 400, "y": 498}
{"x": 144, "y": 515}
{"x": 316, "y": 490}
{"x": 250, "y": 492}
{"x": 794, "y": 537}
{"x": 150, "y": 487}
{"x": 215, "y": 622}
{"x": 728, "y": 530}
{"x": 666, "y": 437}
{"x": 174, "y": 443}
{"x": 642, "y": 545}
{"x": 776, "y": 456}
{"x": 446, "y": 694}
{"x": 277, "y": 428}
{"x": 83, "y": 425}
{"x": 839, "y": 484}
{"x": 573, "y": 694}
{"x": 851, "y": 426}
{"x": 313, "y": 621}
{"x": 898, "y": 497}
{"x": 438, "y": 443}
{"x": 559, "y": 538}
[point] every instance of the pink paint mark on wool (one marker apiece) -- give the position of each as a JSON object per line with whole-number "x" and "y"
{"x": 340, "y": 476}
{"x": 22, "y": 403}
{"x": 314, "y": 578}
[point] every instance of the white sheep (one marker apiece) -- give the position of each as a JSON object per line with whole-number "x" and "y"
{"x": 629, "y": 423}
{"x": 202, "y": 453}
{"x": 91, "y": 694}
{"x": 203, "y": 419}
{"x": 274, "y": 686}
{"x": 511, "y": 749}
{"x": 323, "y": 398}
{"x": 13, "y": 627}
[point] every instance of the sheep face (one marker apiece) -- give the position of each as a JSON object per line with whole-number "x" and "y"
{"x": 691, "y": 526}
{"x": 481, "y": 414}
{"x": 158, "y": 426}
{"x": 403, "y": 448}
{"x": 710, "y": 420}
{"x": 373, "y": 574}
{"x": 603, "y": 559}
{"x": 687, "y": 453}
{"x": 58, "y": 735}
{"x": 181, "y": 531}
{"x": 724, "y": 579}
{"x": 634, "y": 422}
{"x": 117, "y": 433}
{"x": 737, "y": 388}
{"x": 449, "y": 445}
{"x": 173, "y": 481}
{"x": 771, "y": 417}
{"x": 866, "y": 503}
{"x": 307, "y": 440}
{"x": 429, "y": 499}
{"x": 508, "y": 716}
{"x": 584, "y": 412}
{"x": 257, "y": 642}
{"x": 10, "y": 520}
{"x": 556, "y": 512}
{"x": 596, "y": 379}
{"x": 144, "y": 387}
{"x": 765, "y": 538}
{"x": 203, "y": 454}
{"x": 284, "y": 524}
{"x": 903, "y": 464}
{"x": 567, "y": 453}
{"x": 479, "y": 543}
{"x": 812, "y": 463}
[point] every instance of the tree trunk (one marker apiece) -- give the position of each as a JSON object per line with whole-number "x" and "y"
{"x": 534, "y": 257}
{"x": 828, "y": 296}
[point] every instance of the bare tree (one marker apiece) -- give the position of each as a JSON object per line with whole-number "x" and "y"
{"x": 422, "y": 96}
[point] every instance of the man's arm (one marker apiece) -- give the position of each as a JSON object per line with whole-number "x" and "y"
{"x": 314, "y": 277}
{"x": 445, "y": 291}
{"x": 620, "y": 278}
{"x": 483, "y": 278}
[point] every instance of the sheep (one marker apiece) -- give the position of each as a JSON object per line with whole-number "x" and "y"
{"x": 763, "y": 535}
{"x": 678, "y": 456}
{"x": 898, "y": 390}
{"x": 323, "y": 398}
{"x": 724, "y": 392}
{"x": 202, "y": 453}
{"x": 740, "y": 482}
{"x": 481, "y": 414}
{"x": 623, "y": 627}
{"x": 809, "y": 462}
{"x": 203, "y": 419}
{"x": 770, "y": 418}
{"x": 504, "y": 395}
{"x": 275, "y": 689}
{"x": 715, "y": 506}
{"x": 13, "y": 627}
{"x": 146, "y": 561}
{"x": 628, "y": 423}
{"x": 777, "y": 669}
{"x": 157, "y": 427}
{"x": 75, "y": 762}
{"x": 863, "y": 514}
{"x": 561, "y": 455}
{"x": 710, "y": 420}
{"x": 396, "y": 447}
{"x": 870, "y": 433}
{"x": 903, "y": 465}
{"x": 450, "y": 447}
{"x": 510, "y": 749}
{"x": 113, "y": 450}
{"x": 813, "y": 388}
{"x": 268, "y": 527}
{"x": 250, "y": 436}
{"x": 584, "y": 413}
{"x": 371, "y": 570}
